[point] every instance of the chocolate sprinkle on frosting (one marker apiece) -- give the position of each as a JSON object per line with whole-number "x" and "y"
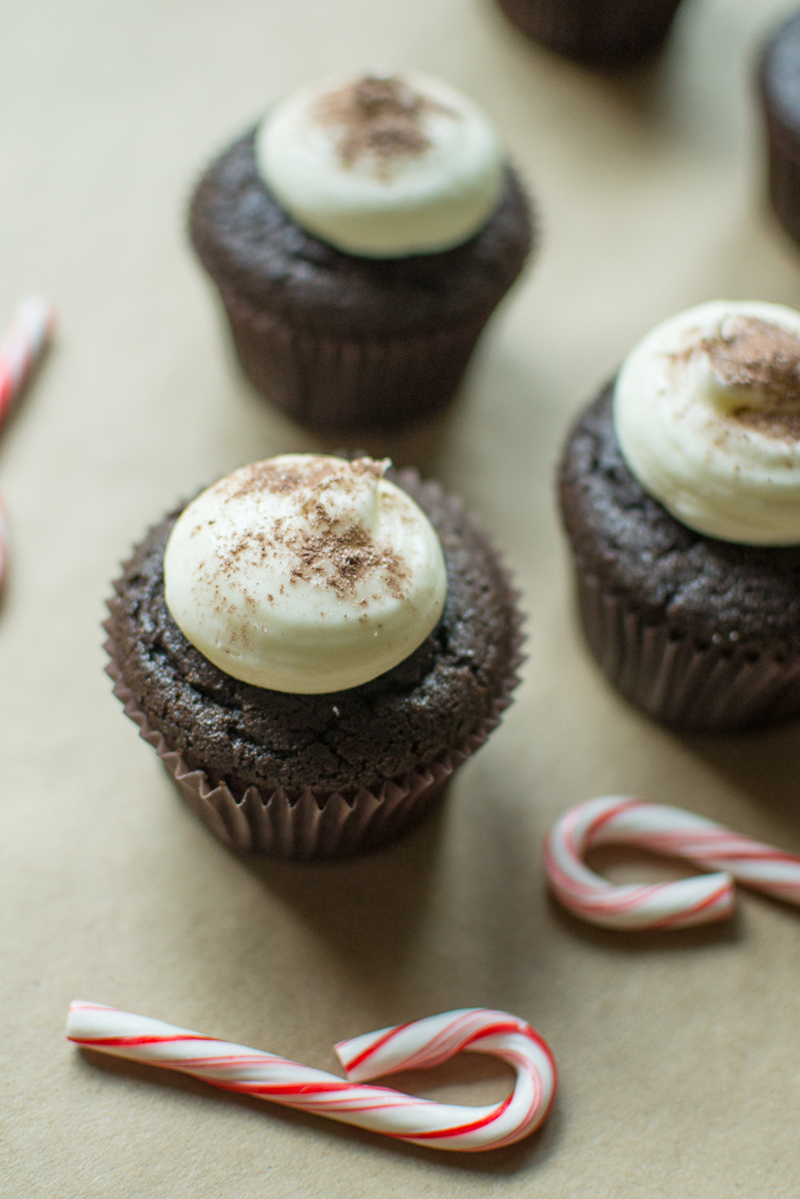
{"x": 329, "y": 552}
{"x": 761, "y": 360}
{"x": 755, "y": 355}
{"x": 378, "y": 117}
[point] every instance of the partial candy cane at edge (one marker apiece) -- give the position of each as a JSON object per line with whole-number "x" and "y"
{"x": 621, "y": 820}
{"x": 21, "y": 346}
{"x": 416, "y": 1046}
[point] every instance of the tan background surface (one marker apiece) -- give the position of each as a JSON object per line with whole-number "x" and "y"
{"x": 679, "y": 1055}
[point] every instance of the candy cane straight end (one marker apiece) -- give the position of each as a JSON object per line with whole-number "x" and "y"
{"x": 378, "y": 1109}
{"x": 619, "y": 820}
{"x": 38, "y": 317}
{"x": 21, "y": 347}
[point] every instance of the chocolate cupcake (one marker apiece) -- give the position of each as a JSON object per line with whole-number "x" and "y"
{"x": 680, "y": 493}
{"x": 360, "y": 237}
{"x": 607, "y": 34}
{"x": 313, "y": 649}
{"x": 780, "y": 97}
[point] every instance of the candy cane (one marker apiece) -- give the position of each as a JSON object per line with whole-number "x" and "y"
{"x": 22, "y": 345}
{"x": 413, "y": 1046}
{"x": 617, "y": 820}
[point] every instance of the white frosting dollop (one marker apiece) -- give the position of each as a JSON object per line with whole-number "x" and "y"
{"x": 305, "y": 573}
{"x": 383, "y": 165}
{"x": 707, "y": 413}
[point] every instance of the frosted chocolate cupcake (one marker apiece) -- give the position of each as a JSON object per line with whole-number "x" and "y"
{"x": 599, "y": 33}
{"x": 360, "y": 237}
{"x": 680, "y": 492}
{"x": 780, "y": 97}
{"x": 313, "y": 649}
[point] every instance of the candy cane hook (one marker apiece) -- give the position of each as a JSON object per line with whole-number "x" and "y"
{"x": 413, "y": 1046}
{"x": 618, "y": 820}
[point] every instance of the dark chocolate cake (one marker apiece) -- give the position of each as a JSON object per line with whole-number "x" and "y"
{"x": 252, "y": 248}
{"x": 699, "y": 632}
{"x": 607, "y": 34}
{"x": 780, "y": 96}
{"x": 338, "y": 341}
{"x": 242, "y": 736}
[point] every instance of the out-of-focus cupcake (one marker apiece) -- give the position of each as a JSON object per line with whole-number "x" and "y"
{"x": 680, "y": 492}
{"x": 313, "y": 648}
{"x": 780, "y": 97}
{"x": 599, "y": 33}
{"x": 360, "y": 237}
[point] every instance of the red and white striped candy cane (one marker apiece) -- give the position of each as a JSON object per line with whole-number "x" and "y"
{"x": 22, "y": 344}
{"x": 413, "y": 1046}
{"x": 619, "y": 820}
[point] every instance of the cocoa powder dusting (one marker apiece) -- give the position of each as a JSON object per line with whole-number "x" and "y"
{"x": 379, "y": 117}
{"x": 284, "y": 478}
{"x": 326, "y": 551}
{"x": 783, "y": 425}
{"x": 755, "y": 356}
{"x": 343, "y": 559}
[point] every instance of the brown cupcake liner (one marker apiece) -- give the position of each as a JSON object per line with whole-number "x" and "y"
{"x": 319, "y": 824}
{"x": 600, "y": 33}
{"x": 336, "y": 383}
{"x": 316, "y": 825}
{"x": 673, "y": 678}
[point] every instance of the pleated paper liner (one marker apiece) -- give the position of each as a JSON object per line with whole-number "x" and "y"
{"x": 335, "y": 383}
{"x": 600, "y": 33}
{"x": 317, "y": 823}
{"x": 673, "y": 678}
{"x": 314, "y": 824}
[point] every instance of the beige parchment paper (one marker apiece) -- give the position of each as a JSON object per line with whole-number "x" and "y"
{"x": 679, "y": 1055}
